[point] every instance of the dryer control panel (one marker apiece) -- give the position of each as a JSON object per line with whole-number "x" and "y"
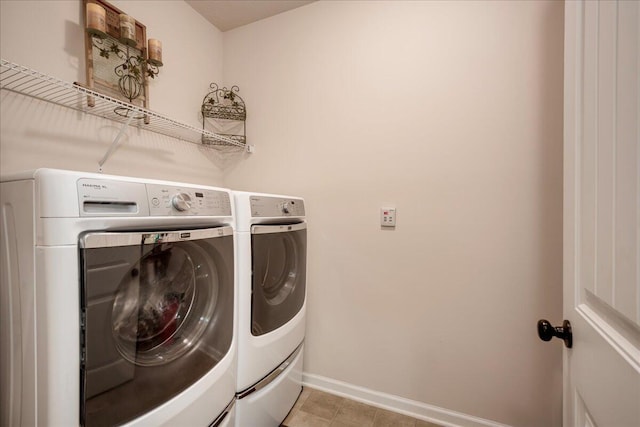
{"x": 167, "y": 200}
{"x": 262, "y": 206}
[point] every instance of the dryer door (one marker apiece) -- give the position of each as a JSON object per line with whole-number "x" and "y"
{"x": 157, "y": 315}
{"x": 279, "y": 259}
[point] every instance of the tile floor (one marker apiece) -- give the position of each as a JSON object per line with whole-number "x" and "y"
{"x": 315, "y": 408}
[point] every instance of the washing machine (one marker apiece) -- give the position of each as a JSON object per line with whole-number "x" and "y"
{"x": 272, "y": 262}
{"x": 117, "y": 302}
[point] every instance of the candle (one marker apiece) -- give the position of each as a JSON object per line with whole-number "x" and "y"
{"x": 127, "y": 30}
{"x": 96, "y": 20}
{"x": 155, "y": 52}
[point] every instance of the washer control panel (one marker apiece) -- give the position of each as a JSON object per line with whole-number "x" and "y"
{"x": 263, "y": 206}
{"x": 107, "y": 197}
{"x": 165, "y": 200}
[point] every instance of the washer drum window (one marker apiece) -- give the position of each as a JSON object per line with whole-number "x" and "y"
{"x": 157, "y": 313}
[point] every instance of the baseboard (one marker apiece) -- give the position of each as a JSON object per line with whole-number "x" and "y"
{"x": 398, "y": 404}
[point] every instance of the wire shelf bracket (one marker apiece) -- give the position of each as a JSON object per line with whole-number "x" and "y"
{"x": 19, "y": 79}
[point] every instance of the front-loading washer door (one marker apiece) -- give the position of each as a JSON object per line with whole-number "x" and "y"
{"x": 157, "y": 315}
{"x": 279, "y": 260}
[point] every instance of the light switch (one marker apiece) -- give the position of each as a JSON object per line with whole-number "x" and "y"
{"x": 388, "y": 217}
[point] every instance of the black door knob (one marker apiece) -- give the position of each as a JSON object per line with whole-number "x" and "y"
{"x": 546, "y": 331}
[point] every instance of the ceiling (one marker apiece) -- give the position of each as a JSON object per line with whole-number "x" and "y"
{"x": 229, "y": 14}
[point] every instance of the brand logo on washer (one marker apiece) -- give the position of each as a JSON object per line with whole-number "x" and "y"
{"x": 95, "y": 186}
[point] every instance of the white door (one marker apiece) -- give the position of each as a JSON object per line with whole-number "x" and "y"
{"x": 602, "y": 213}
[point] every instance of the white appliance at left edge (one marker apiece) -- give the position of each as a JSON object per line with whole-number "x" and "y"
{"x": 117, "y": 301}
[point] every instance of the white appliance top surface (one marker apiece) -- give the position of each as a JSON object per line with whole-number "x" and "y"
{"x": 42, "y": 173}
{"x": 71, "y": 194}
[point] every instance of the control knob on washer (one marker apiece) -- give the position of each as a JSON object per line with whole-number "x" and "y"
{"x": 285, "y": 208}
{"x": 181, "y": 201}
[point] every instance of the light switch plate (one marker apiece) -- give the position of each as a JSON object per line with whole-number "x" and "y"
{"x": 388, "y": 217}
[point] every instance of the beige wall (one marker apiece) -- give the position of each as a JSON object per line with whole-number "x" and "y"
{"x": 48, "y": 37}
{"x": 452, "y": 112}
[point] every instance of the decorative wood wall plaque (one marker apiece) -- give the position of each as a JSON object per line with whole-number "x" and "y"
{"x": 102, "y": 61}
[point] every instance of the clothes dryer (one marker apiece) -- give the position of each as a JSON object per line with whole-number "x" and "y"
{"x": 117, "y": 301}
{"x": 272, "y": 262}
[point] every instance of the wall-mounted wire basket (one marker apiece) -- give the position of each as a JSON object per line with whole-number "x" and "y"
{"x": 224, "y": 113}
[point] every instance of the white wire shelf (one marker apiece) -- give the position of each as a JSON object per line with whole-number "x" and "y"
{"x": 19, "y": 79}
